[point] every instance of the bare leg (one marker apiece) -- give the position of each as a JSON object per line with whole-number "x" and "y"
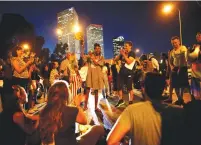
{"x": 120, "y": 95}
{"x": 92, "y": 136}
{"x": 131, "y": 97}
{"x": 96, "y": 99}
{"x": 86, "y": 98}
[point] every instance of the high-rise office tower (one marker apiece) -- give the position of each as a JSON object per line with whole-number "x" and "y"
{"x": 118, "y": 43}
{"x": 95, "y": 35}
{"x": 67, "y": 19}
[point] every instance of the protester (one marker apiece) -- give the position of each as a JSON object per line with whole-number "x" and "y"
{"x": 150, "y": 122}
{"x": 20, "y": 68}
{"x": 195, "y": 59}
{"x": 127, "y": 58}
{"x": 178, "y": 65}
{"x": 57, "y": 120}
{"x": 95, "y": 76}
{"x": 15, "y": 123}
{"x": 54, "y": 74}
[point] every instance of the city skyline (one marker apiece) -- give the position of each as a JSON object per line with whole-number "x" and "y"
{"x": 95, "y": 35}
{"x": 143, "y": 23}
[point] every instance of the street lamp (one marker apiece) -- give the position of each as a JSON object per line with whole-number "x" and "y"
{"x": 59, "y": 32}
{"x": 167, "y": 9}
{"x": 25, "y": 46}
{"x": 137, "y": 50}
{"x": 76, "y": 28}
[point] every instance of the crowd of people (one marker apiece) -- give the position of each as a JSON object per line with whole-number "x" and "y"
{"x": 64, "y": 84}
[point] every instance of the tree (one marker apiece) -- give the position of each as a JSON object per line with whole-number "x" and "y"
{"x": 61, "y": 49}
{"x": 39, "y": 42}
{"x": 14, "y": 30}
{"x": 44, "y": 55}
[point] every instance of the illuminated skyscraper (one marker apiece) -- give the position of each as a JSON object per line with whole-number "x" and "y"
{"x": 118, "y": 43}
{"x": 95, "y": 35}
{"x": 67, "y": 19}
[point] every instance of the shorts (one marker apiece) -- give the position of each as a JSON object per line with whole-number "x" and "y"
{"x": 126, "y": 80}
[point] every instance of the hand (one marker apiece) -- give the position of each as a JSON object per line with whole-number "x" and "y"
{"x": 122, "y": 52}
{"x": 32, "y": 54}
{"x": 31, "y": 60}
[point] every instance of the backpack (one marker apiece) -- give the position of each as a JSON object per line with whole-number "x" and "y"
{"x": 147, "y": 66}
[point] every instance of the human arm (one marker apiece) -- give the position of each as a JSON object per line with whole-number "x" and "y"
{"x": 119, "y": 130}
{"x": 128, "y": 58}
{"x": 19, "y": 119}
{"x": 170, "y": 60}
{"x": 81, "y": 116}
{"x": 19, "y": 69}
{"x": 155, "y": 63}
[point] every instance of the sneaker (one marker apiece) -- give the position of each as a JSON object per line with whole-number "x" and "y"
{"x": 120, "y": 102}
{"x": 179, "y": 102}
{"x": 169, "y": 100}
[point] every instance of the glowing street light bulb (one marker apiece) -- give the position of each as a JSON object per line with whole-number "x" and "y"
{"x": 26, "y": 46}
{"x": 76, "y": 29}
{"x": 59, "y": 31}
{"x": 137, "y": 50}
{"x": 167, "y": 8}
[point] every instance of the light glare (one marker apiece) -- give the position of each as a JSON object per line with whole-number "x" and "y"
{"x": 167, "y": 8}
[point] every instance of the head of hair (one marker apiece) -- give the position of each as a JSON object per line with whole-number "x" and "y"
{"x": 22, "y": 93}
{"x": 129, "y": 43}
{"x": 175, "y": 37}
{"x": 51, "y": 115}
{"x": 15, "y": 49}
{"x": 164, "y": 55}
{"x": 154, "y": 85}
{"x": 143, "y": 57}
{"x": 96, "y": 45}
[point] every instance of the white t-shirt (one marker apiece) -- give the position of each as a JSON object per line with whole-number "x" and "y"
{"x": 83, "y": 73}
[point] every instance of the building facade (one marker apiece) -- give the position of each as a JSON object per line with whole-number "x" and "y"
{"x": 67, "y": 19}
{"x": 118, "y": 43}
{"x": 95, "y": 35}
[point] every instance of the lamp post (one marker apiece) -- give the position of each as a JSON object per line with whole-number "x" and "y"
{"x": 167, "y": 9}
{"x": 79, "y": 36}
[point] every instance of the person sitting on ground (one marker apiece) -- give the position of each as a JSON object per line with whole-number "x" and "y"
{"x": 150, "y": 122}
{"x": 15, "y": 123}
{"x": 57, "y": 120}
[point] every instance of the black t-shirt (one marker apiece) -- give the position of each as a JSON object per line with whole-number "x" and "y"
{"x": 130, "y": 54}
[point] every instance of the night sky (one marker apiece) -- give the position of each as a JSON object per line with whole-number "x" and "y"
{"x": 141, "y": 22}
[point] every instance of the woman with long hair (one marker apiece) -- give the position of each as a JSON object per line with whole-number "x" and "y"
{"x": 57, "y": 120}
